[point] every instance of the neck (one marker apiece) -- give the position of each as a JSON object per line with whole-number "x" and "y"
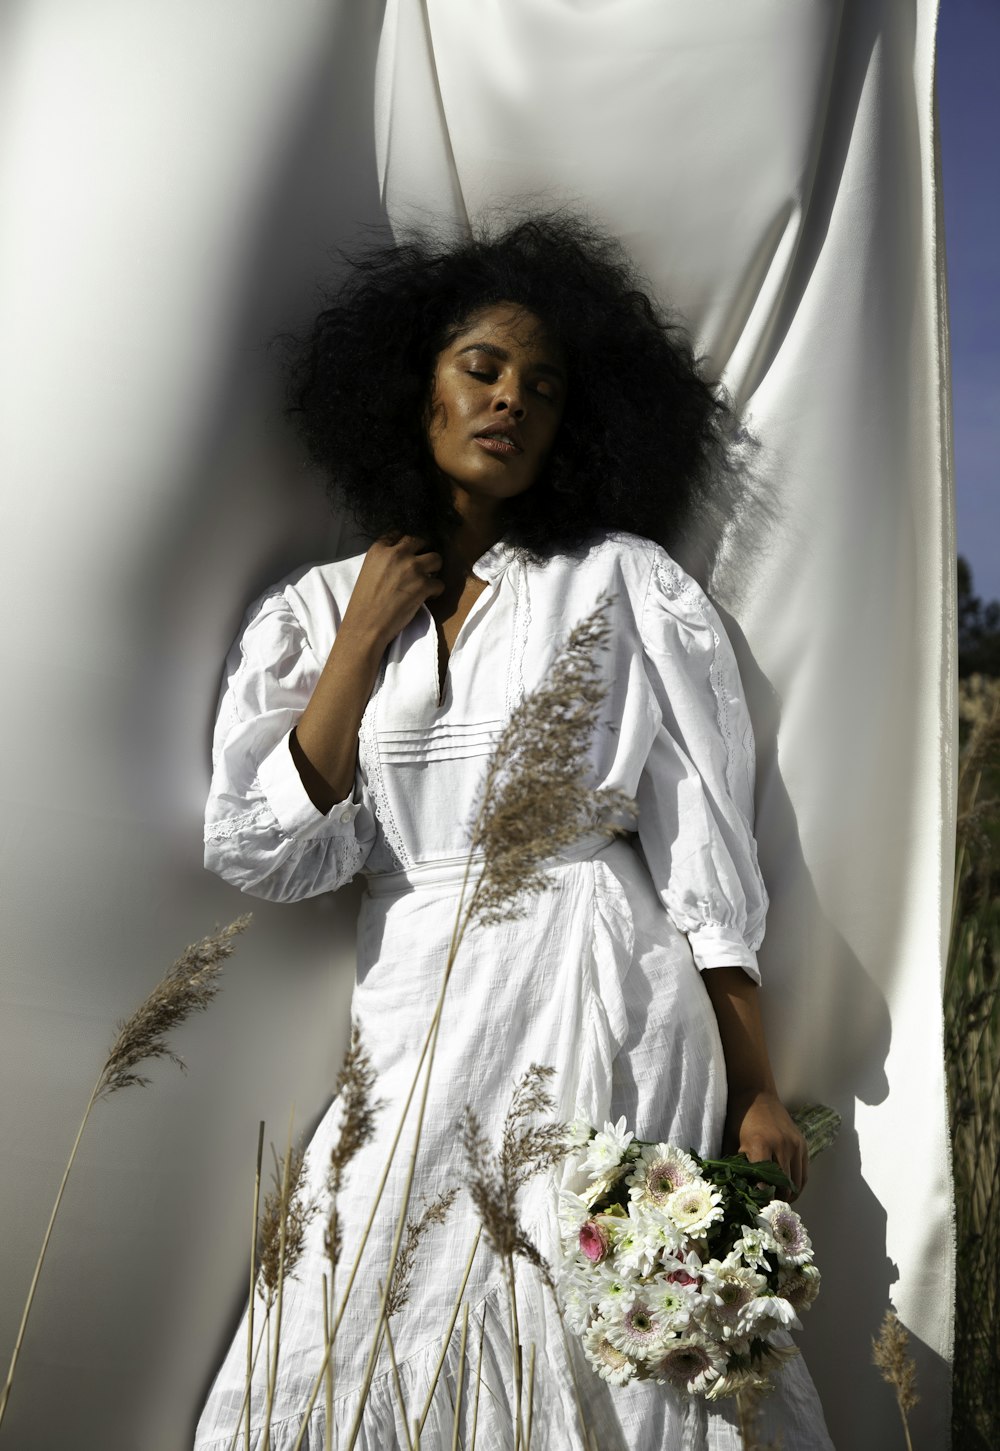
{"x": 479, "y": 530}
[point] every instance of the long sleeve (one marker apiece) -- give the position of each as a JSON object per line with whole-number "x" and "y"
{"x": 696, "y": 790}
{"x": 262, "y": 832}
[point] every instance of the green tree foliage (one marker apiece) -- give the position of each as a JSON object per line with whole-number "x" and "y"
{"x": 978, "y": 628}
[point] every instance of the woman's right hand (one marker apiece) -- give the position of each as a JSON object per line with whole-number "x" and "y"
{"x": 396, "y": 578}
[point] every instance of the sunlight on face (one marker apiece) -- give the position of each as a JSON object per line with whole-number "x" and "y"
{"x": 497, "y": 400}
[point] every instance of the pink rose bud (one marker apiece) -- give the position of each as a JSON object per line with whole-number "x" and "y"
{"x": 681, "y": 1277}
{"x": 594, "y": 1241}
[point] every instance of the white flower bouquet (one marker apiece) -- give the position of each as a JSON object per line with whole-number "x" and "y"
{"x": 680, "y": 1269}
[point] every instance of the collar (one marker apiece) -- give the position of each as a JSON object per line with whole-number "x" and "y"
{"x": 491, "y": 565}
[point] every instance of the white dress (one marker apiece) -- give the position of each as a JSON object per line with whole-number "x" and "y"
{"x": 600, "y": 980}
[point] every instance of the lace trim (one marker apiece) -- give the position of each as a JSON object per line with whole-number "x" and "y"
{"x": 519, "y": 632}
{"x": 349, "y": 857}
{"x": 372, "y": 762}
{"x": 234, "y": 825}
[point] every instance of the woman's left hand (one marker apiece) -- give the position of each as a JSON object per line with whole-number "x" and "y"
{"x": 759, "y": 1125}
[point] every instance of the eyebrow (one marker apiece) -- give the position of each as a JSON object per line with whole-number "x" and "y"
{"x": 503, "y": 356}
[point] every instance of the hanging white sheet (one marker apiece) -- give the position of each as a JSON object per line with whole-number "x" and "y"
{"x": 771, "y": 167}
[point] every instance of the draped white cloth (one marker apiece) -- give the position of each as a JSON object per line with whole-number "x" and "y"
{"x": 771, "y": 168}
{"x": 171, "y": 178}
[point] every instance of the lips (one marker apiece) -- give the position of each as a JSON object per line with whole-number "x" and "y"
{"x": 503, "y": 442}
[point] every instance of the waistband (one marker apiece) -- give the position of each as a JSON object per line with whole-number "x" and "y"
{"x": 447, "y": 871}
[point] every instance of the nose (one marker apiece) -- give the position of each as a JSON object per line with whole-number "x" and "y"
{"x": 509, "y": 399}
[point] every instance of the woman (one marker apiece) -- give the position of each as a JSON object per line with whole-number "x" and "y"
{"x": 516, "y": 426}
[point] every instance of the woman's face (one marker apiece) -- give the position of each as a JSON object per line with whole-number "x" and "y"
{"x": 497, "y": 398}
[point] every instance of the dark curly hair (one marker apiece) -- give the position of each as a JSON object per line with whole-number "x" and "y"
{"x": 643, "y": 432}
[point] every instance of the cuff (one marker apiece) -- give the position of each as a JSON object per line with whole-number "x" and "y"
{"x": 295, "y": 813}
{"x": 714, "y": 946}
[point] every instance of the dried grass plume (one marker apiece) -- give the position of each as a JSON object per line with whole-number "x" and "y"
{"x": 525, "y": 1150}
{"x": 189, "y": 985}
{"x": 536, "y": 797}
{"x": 898, "y": 1369}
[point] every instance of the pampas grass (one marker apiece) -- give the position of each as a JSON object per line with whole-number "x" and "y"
{"x": 495, "y": 1179}
{"x": 896, "y": 1367}
{"x": 536, "y": 798}
{"x": 188, "y": 986}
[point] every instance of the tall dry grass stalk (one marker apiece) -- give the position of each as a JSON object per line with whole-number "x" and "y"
{"x": 972, "y": 1054}
{"x": 896, "y": 1368}
{"x": 748, "y": 1410}
{"x": 287, "y": 1215}
{"x": 495, "y": 1179}
{"x": 188, "y": 986}
{"x": 536, "y": 799}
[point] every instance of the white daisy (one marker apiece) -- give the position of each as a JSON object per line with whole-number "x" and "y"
{"x": 607, "y": 1148}
{"x": 767, "y": 1313}
{"x": 692, "y": 1363}
{"x": 573, "y": 1211}
{"x": 578, "y": 1132}
{"x": 659, "y": 1170}
{"x": 694, "y": 1207}
{"x": 636, "y": 1242}
{"x": 755, "y": 1246}
{"x": 729, "y": 1287}
{"x": 611, "y": 1364}
{"x": 673, "y": 1303}
{"x": 788, "y": 1232}
{"x": 637, "y": 1329}
{"x": 799, "y": 1284}
{"x": 600, "y": 1185}
{"x": 738, "y": 1376}
{"x": 577, "y": 1308}
{"x": 610, "y": 1290}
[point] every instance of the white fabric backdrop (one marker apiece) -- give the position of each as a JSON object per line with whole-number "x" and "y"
{"x": 771, "y": 167}
{"x": 171, "y": 179}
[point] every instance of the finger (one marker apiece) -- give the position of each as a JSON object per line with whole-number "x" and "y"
{"x": 430, "y": 562}
{"x": 803, "y": 1168}
{"x": 756, "y": 1149}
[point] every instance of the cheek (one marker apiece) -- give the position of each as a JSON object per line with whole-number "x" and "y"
{"x": 436, "y": 420}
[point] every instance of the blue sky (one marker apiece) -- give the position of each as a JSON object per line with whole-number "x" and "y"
{"x": 969, "y": 114}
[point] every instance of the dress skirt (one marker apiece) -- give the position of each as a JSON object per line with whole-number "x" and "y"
{"x": 594, "y": 981}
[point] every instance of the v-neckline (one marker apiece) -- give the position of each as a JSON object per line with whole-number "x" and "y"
{"x": 443, "y": 654}
{"x": 489, "y": 568}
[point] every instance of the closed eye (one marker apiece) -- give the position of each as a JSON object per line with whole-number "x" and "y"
{"x": 543, "y": 389}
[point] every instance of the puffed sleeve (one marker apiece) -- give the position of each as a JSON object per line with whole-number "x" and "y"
{"x": 262, "y": 832}
{"x": 695, "y": 793}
